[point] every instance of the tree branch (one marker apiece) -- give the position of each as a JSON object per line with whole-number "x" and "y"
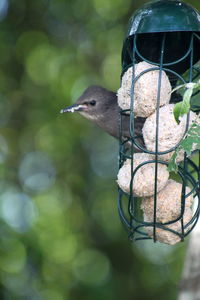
{"x": 189, "y": 288}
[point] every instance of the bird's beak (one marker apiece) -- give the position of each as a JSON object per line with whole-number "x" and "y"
{"x": 73, "y": 108}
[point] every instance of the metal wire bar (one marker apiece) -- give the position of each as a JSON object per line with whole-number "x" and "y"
{"x": 157, "y": 136}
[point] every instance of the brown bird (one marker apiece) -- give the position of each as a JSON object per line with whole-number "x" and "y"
{"x": 100, "y": 106}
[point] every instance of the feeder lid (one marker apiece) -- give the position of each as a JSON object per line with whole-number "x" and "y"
{"x": 164, "y": 16}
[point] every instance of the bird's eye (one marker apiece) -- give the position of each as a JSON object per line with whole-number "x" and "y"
{"x": 92, "y": 102}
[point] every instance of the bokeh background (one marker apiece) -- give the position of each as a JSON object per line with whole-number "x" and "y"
{"x": 60, "y": 234}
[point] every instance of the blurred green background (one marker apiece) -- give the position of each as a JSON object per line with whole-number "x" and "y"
{"x": 60, "y": 234}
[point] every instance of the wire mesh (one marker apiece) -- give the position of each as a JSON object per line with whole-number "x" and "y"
{"x": 180, "y": 67}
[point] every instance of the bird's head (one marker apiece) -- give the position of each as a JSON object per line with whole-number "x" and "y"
{"x": 92, "y": 104}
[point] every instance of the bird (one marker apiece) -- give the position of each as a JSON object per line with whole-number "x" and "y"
{"x": 100, "y": 106}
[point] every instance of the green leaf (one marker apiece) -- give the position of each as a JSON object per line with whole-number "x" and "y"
{"x": 190, "y": 143}
{"x": 197, "y": 85}
{"x": 172, "y": 166}
{"x": 187, "y": 145}
{"x": 183, "y": 107}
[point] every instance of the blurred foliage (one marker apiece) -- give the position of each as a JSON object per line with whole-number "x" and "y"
{"x": 61, "y": 237}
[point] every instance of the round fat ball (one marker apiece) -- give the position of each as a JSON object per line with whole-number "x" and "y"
{"x": 168, "y": 206}
{"x": 145, "y": 90}
{"x": 144, "y": 178}
{"x": 165, "y": 236}
{"x": 170, "y": 132}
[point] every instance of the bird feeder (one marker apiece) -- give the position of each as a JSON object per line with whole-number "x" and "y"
{"x": 160, "y": 52}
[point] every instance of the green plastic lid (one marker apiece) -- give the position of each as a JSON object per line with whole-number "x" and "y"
{"x": 148, "y": 24}
{"x": 164, "y": 16}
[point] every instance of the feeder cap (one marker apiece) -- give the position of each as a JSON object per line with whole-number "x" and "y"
{"x": 164, "y": 16}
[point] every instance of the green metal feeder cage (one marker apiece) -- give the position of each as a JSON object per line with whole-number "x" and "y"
{"x": 165, "y": 34}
